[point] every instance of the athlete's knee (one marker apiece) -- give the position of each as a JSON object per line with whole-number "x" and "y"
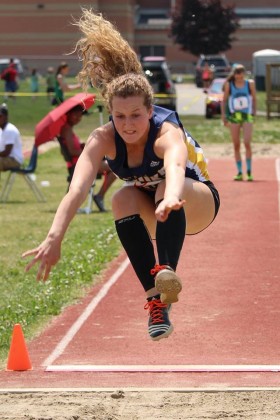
{"x": 247, "y": 140}
{"x": 122, "y": 197}
{"x": 236, "y": 146}
{"x": 118, "y": 196}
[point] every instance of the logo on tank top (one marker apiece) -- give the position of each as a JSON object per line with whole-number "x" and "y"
{"x": 154, "y": 163}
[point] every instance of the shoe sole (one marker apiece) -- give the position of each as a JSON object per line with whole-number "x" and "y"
{"x": 165, "y": 335}
{"x": 169, "y": 285}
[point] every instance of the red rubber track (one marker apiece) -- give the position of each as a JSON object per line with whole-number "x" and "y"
{"x": 228, "y": 313}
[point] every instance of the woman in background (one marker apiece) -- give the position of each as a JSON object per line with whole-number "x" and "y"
{"x": 61, "y": 85}
{"x": 34, "y": 82}
{"x": 238, "y": 109}
{"x": 207, "y": 76}
{"x": 50, "y": 83}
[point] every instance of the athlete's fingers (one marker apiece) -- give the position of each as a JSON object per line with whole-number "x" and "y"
{"x": 179, "y": 205}
{"x": 162, "y": 212}
{"x": 32, "y": 262}
{"x": 162, "y": 215}
{"x": 169, "y": 207}
{"x": 47, "y": 272}
{"x": 29, "y": 252}
{"x": 41, "y": 270}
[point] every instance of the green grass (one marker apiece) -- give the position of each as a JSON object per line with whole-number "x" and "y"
{"x": 211, "y": 131}
{"x": 89, "y": 245}
{"x": 90, "y": 242}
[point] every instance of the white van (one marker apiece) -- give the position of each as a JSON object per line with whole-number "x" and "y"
{"x": 4, "y": 62}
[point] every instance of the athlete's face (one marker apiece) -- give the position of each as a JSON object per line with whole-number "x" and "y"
{"x": 131, "y": 118}
{"x": 239, "y": 75}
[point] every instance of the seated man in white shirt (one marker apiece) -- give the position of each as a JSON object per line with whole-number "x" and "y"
{"x": 11, "y": 155}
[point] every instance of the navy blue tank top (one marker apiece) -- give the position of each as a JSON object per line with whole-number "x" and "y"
{"x": 151, "y": 171}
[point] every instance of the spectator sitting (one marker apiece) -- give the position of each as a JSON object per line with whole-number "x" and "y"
{"x": 71, "y": 148}
{"x": 10, "y": 143}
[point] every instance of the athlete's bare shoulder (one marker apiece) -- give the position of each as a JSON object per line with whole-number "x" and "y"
{"x": 103, "y": 137}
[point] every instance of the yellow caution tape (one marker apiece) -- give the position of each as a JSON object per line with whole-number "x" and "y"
{"x": 157, "y": 95}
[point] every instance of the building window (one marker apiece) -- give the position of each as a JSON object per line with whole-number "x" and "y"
{"x": 144, "y": 16}
{"x": 147, "y": 50}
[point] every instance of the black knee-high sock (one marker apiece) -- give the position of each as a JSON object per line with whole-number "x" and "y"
{"x": 137, "y": 243}
{"x": 170, "y": 237}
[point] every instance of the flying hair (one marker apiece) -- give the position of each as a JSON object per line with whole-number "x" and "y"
{"x": 104, "y": 53}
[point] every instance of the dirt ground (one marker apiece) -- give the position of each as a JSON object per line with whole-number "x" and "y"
{"x": 211, "y": 150}
{"x": 226, "y": 150}
{"x": 147, "y": 405}
{"x": 135, "y": 405}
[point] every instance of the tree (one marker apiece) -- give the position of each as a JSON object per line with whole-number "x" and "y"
{"x": 204, "y": 26}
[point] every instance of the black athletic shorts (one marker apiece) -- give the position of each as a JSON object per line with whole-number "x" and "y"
{"x": 209, "y": 184}
{"x": 215, "y": 194}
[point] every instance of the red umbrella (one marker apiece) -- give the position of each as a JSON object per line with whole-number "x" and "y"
{"x": 49, "y": 127}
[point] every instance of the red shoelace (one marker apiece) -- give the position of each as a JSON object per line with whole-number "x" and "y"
{"x": 155, "y": 310}
{"x": 158, "y": 268}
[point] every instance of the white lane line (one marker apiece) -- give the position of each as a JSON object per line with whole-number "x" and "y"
{"x": 163, "y": 368}
{"x": 277, "y": 167}
{"x": 59, "y": 349}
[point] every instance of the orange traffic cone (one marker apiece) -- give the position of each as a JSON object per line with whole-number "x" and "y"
{"x": 18, "y": 358}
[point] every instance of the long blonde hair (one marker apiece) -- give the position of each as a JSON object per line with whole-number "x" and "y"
{"x": 237, "y": 68}
{"x": 108, "y": 61}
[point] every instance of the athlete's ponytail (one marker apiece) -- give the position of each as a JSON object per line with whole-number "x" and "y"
{"x": 108, "y": 61}
{"x": 103, "y": 51}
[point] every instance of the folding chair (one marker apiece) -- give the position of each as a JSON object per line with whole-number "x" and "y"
{"x": 27, "y": 174}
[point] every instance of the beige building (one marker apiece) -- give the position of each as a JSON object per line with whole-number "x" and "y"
{"x": 41, "y": 33}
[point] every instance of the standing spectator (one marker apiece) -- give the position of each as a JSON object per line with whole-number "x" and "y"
{"x": 61, "y": 85}
{"x": 207, "y": 76}
{"x": 10, "y": 143}
{"x": 34, "y": 82}
{"x": 50, "y": 82}
{"x": 10, "y": 75}
{"x": 238, "y": 109}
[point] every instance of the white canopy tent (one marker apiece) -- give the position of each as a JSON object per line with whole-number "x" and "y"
{"x": 260, "y": 59}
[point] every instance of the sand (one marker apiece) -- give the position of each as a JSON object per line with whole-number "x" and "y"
{"x": 136, "y": 405}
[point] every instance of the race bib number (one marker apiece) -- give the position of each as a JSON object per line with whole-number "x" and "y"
{"x": 240, "y": 103}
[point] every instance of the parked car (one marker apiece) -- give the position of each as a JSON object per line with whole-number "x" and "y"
{"x": 157, "y": 72}
{"x": 4, "y": 63}
{"x": 219, "y": 65}
{"x": 214, "y": 98}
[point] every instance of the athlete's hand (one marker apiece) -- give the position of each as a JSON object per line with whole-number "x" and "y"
{"x": 166, "y": 206}
{"x": 47, "y": 254}
{"x": 225, "y": 122}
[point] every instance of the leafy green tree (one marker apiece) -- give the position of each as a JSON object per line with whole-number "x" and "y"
{"x": 204, "y": 26}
